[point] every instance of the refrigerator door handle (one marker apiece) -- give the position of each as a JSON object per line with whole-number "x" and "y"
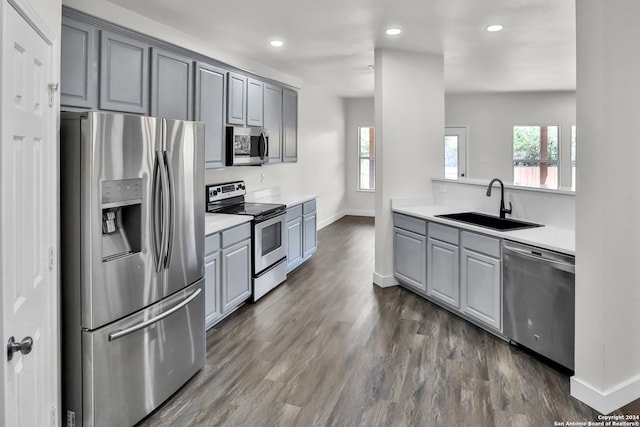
{"x": 165, "y": 191}
{"x": 123, "y": 332}
{"x": 156, "y": 203}
{"x": 169, "y": 209}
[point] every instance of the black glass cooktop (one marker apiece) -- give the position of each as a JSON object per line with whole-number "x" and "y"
{"x": 253, "y": 209}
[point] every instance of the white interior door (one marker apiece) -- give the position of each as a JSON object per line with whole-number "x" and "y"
{"x": 28, "y": 218}
{"x": 455, "y": 152}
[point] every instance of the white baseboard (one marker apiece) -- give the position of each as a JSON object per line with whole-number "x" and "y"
{"x": 360, "y": 212}
{"x": 328, "y": 221}
{"x": 609, "y": 400}
{"x": 384, "y": 281}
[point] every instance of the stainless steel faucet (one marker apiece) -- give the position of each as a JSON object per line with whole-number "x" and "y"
{"x": 503, "y": 210}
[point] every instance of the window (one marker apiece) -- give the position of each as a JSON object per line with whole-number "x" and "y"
{"x": 455, "y": 152}
{"x": 366, "y": 159}
{"x": 573, "y": 157}
{"x": 535, "y": 156}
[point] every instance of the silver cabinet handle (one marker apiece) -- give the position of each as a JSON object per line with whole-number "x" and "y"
{"x": 560, "y": 265}
{"x": 121, "y": 333}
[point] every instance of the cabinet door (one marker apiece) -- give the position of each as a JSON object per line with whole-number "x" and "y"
{"x": 482, "y": 288}
{"x": 210, "y": 110}
{"x": 124, "y": 74}
{"x": 290, "y": 125}
{"x": 254, "y": 102}
{"x": 294, "y": 243}
{"x": 443, "y": 272}
{"x": 310, "y": 236}
{"x": 171, "y": 85}
{"x": 236, "y": 274}
{"x": 212, "y": 306}
{"x": 273, "y": 121}
{"x": 410, "y": 258}
{"x": 236, "y": 98}
{"x": 78, "y": 64}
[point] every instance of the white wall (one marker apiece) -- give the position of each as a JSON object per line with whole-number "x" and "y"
{"x": 321, "y": 136}
{"x": 607, "y": 364}
{"x": 490, "y": 118}
{"x": 358, "y": 112}
{"x": 409, "y": 90}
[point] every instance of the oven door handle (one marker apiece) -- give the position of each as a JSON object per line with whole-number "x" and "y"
{"x": 121, "y": 333}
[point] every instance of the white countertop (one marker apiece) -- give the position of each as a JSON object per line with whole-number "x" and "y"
{"x": 289, "y": 199}
{"x": 215, "y": 222}
{"x": 554, "y": 238}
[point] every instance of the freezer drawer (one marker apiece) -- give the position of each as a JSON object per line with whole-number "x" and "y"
{"x": 131, "y": 366}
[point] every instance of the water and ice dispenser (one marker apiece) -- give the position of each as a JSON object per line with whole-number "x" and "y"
{"x": 121, "y": 218}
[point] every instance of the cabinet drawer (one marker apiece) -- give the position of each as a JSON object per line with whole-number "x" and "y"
{"x": 410, "y": 223}
{"x": 212, "y": 243}
{"x": 294, "y": 212}
{"x": 443, "y": 233}
{"x": 309, "y": 207}
{"x": 236, "y": 234}
{"x": 482, "y": 244}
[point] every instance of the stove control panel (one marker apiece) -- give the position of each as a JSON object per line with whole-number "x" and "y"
{"x": 217, "y": 192}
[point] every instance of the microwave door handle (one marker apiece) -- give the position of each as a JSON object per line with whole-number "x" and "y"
{"x": 263, "y": 145}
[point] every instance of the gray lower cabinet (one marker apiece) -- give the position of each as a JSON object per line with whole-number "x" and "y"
{"x": 273, "y": 121}
{"x": 302, "y": 240}
{"x": 171, "y": 85}
{"x": 481, "y": 281}
{"x": 290, "y": 125}
{"x": 124, "y": 74}
{"x": 236, "y": 99}
{"x": 209, "y": 93}
{"x": 227, "y": 272}
{"x": 294, "y": 237}
{"x": 443, "y": 268}
{"x": 78, "y": 64}
{"x": 310, "y": 228}
{"x": 255, "y": 102}
{"x": 410, "y": 252}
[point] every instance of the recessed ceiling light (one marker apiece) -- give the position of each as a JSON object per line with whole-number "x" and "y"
{"x": 494, "y": 28}
{"x": 276, "y": 43}
{"x": 393, "y": 31}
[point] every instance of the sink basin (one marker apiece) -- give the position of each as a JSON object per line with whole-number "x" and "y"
{"x": 490, "y": 221}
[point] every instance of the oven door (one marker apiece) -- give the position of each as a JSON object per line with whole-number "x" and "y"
{"x": 269, "y": 242}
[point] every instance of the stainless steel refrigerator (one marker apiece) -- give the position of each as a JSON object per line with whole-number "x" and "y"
{"x": 132, "y": 263}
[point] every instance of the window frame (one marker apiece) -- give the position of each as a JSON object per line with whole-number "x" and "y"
{"x": 359, "y": 159}
{"x": 558, "y": 160}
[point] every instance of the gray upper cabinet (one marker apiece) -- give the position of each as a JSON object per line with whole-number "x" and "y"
{"x": 124, "y": 74}
{"x": 290, "y": 125}
{"x": 236, "y": 99}
{"x": 255, "y": 101}
{"x": 171, "y": 85}
{"x": 273, "y": 121}
{"x": 78, "y": 64}
{"x": 210, "y": 87}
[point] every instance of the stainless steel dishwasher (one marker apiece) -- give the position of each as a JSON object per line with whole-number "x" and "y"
{"x": 539, "y": 301}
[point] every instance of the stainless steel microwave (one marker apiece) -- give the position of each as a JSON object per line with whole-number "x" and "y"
{"x": 246, "y": 146}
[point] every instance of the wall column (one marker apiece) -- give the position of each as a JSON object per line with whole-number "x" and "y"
{"x": 607, "y": 353}
{"x": 409, "y": 120}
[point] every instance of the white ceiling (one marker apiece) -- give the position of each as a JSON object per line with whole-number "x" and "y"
{"x": 331, "y": 42}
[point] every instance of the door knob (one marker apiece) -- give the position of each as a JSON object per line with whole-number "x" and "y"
{"x": 23, "y": 346}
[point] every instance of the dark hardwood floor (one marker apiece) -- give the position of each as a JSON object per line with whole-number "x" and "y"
{"x": 328, "y": 347}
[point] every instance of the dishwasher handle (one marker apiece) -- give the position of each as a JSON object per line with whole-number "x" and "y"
{"x": 557, "y": 264}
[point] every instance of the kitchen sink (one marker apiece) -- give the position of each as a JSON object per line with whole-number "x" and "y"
{"x": 490, "y": 221}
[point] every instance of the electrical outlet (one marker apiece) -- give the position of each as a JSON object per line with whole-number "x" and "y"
{"x": 262, "y": 178}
